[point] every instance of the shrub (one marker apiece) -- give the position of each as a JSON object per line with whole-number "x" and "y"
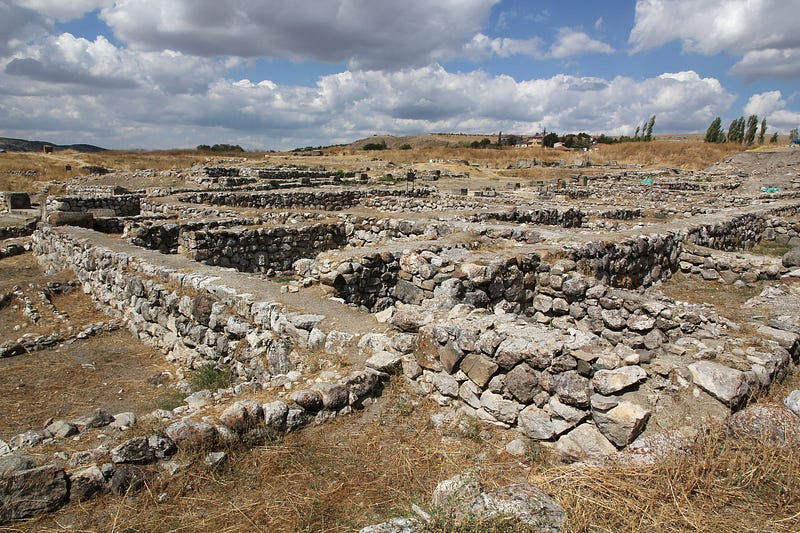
{"x": 211, "y": 377}
{"x": 375, "y": 146}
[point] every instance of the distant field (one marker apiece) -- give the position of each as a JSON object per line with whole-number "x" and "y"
{"x": 33, "y": 171}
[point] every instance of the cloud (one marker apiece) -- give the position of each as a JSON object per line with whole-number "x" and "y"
{"x": 483, "y": 47}
{"x": 94, "y": 66}
{"x": 713, "y": 26}
{"x": 362, "y": 33}
{"x": 573, "y": 43}
{"x": 19, "y": 25}
{"x": 356, "y": 103}
{"x": 62, "y": 10}
{"x": 772, "y": 106}
{"x": 770, "y": 63}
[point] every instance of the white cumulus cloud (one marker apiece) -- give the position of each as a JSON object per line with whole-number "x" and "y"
{"x": 772, "y": 106}
{"x": 573, "y": 43}
{"x": 363, "y": 33}
{"x": 762, "y": 32}
{"x": 355, "y": 103}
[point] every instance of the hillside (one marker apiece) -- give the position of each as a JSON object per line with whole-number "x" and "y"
{"x": 22, "y": 145}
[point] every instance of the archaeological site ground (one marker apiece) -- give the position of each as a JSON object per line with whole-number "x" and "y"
{"x": 423, "y": 338}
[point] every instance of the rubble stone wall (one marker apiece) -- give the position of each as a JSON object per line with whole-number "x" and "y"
{"x": 14, "y": 200}
{"x": 260, "y": 249}
{"x": 325, "y": 200}
{"x": 740, "y": 233}
{"x": 124, "y": 205}
{"x": 195, "y": 320}
{"x": 569, "y": 218}
{"x": 11, "y": 232}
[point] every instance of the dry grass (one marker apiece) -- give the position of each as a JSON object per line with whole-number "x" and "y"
{"x": 372, "y": 466}
{"x": 721, "y": 485}
{"x": 676, "y": 154}
{"x": 725, "y": 298}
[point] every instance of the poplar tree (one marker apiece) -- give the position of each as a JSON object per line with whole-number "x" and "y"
{"x": 714, "y": 132}
{"x": 752, "y": 126}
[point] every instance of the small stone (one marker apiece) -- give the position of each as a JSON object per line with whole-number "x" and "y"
{"x": 97, "y": 418}
{"x": 623, "y": 423}
{"x": 535, "y": 423}
{"x": 190, "y": 434}
{"x": 612, "y": 381}
{"x": 584, "y": 443}
{"x": 62, "y": 429}
{"x": 724, "y": 383}
{"x": 215, "y": 459}
{"x": 792, "y": 402}
{"x": 15, "y": 462}
{"x": 87, "y": 484}
{"x": 126, "y": 479}
{"x": 387, "y": 362}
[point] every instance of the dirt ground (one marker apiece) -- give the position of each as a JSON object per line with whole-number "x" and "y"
{"x": 109, "y": 371}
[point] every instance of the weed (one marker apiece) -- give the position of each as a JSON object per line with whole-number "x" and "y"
{"x": 210, "y": 377}
{"x": 169, "y": 400}
{"x": 771, "y": 248}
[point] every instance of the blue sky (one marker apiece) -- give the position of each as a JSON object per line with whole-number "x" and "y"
{"x": 281, "y": 74}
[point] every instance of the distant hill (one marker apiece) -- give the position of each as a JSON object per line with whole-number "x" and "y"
{"x": 21, "y": 145}
{"x": 428, "y": 140}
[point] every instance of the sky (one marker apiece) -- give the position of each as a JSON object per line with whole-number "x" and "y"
{"x": 280, "y": 74}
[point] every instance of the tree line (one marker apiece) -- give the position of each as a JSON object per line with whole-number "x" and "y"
{"x": 739, "y": 131}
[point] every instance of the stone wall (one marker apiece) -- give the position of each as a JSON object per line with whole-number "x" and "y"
{"x": 569, "y": 218}
{"x": 121, "y": 205}
{"x": 739, "y": 233}
{"x": 23, "y": 230}
{"x": 265, "y": 250}
{"x": 194, "y": 319}
{"x": 634, "y": 262}
{"x": 325, "y": 200}
{"x": 14, "y": 200}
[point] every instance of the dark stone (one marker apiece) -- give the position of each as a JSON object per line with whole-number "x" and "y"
{"x": 126, "y": 479}
{"x": 32, "y": 492}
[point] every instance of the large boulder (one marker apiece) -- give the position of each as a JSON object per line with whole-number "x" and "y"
{"x": 584, "y": 443}
{"x": 623, "y": 423}
{"x": 768, "y": 422}
{"x": 32, "y": 492}
{"x": 726, "y": 384}
{"x": 189, "y": 434}
{"x": 612, "y": 381}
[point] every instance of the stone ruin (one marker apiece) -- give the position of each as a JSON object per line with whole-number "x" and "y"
{"x": 537, "y": 309}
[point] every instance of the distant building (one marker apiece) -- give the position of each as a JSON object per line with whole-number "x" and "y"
{"x": 47, "y": 149}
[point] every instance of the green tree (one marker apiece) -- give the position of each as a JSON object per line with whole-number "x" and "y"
{"x": 774, "y": 138}
{"x": 736, "y": 131}
{"x": 636, "y": 134}
{"x": 793, "y": 134}
{"x": 752, "y": 127}
{"x": 714, "y": 133}
{"x": 550, "y": 139}
{"x": 648, "y": 135}
{"x": 763, "y": 131}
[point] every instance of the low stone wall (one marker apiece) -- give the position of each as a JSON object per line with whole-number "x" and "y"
{"x": 325, "y": 200}
{"x": 19, "y": 230}
{"x": 569, "y": 218}
{"x": 96, "y": 190}
{"x": 121, "y": 205}
{"x": 739, "y": 233}
{"x": 14, "y": 200}
{"x": 265, "y": 250}
{"x": 635, "y": 262}
{"x": 163, "y": 235}
{"x": 622, "y": 214}
{"x": 195, "y": 320}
